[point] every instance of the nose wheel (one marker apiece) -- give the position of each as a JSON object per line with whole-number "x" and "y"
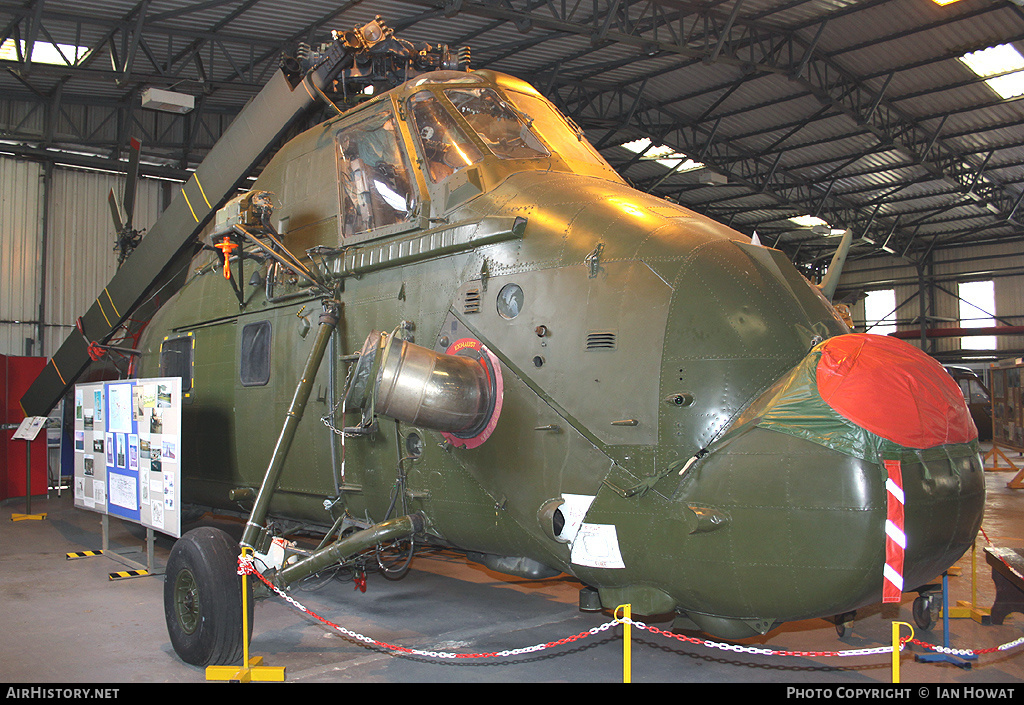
{"x": 926, "y": 607}
{"x": 843, "y": 622}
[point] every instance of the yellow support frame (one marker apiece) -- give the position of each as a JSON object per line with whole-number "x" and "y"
{"x": 965, "y": 610}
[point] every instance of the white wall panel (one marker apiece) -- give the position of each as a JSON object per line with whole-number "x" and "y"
{"x": 20, "y": 231}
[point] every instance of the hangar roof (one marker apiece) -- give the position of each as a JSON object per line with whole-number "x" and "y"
{"x": 860, "y": 114}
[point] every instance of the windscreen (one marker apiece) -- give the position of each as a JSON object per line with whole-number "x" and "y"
{"x": 565, "y": 137}
{"x": 502, "y": 128}
{"x": 445, "y": 146}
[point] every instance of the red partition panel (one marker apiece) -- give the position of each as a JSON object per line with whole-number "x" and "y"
{"x": 16, "y": 375}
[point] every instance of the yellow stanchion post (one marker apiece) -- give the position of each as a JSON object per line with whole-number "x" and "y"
{"x": 251, "y": 669}
{"x": 896, "y": 648}
{"x": 627, "y": 650}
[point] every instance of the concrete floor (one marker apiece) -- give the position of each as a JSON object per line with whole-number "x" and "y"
{"x": 65, "y": 621}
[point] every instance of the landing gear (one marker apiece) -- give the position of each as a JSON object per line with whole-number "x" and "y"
{"x": 843, "y": 622}
{"x": 926, "y": 609}
{"x": 203, "y": 598}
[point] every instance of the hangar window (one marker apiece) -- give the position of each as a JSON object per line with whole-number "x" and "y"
{"x": 880, "y": 312}
{"x": 255, "y": 349}
{"x": 977, "y": 309}
{"x": 374, "y": 174}
{"x": 176, "y": 360}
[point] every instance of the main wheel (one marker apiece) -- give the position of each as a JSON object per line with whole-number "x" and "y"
{"x": 203, "y": 598}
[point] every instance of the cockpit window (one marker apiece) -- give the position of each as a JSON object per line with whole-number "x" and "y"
{"x": 500, "y": 126}
{"x": 376, "y": 188}
{"x": 564, "y": 136}
{"x": 445, "y": 146}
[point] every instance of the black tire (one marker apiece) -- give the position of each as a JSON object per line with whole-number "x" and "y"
{"x": 922, "y": 610}
{"x": 203, "y": 598}
{"x": 842, "y": 621}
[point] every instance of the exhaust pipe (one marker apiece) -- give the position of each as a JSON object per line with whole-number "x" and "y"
{"x": 458, "y": 394}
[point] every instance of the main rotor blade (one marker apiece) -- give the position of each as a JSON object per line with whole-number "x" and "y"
{"x": 115, "y": 212}
{"x": 835, "y": 268}
{"x": 131, "y": 181}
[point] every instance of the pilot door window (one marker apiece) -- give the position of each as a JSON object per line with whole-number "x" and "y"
{"x": 503, "y": 129}
{"x": 376, "y": 188}
{"x": 445, "y": 146}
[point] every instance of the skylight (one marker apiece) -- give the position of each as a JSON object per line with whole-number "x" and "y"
{"x": 807, "y": 221}
{"x": 44, "y": 52}
{"x": 1001, "y": 66}
{"x": 666, "y": 156}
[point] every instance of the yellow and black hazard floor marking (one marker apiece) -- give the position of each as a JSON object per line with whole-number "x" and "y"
{"x": 82, "y": 554}
{"x": 122, "y": 574}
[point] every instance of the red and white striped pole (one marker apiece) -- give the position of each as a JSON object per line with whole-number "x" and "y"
{"x": 895, "y": 538}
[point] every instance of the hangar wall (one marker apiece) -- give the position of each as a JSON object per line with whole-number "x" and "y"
{"x": 59, "y": 266}
{"x": 937, "y": 284}
{"x": 20, "y": 226}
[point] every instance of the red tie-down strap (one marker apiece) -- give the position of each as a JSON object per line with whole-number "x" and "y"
{"x": 895, "y": 538}
{"x": 96, "y": 351}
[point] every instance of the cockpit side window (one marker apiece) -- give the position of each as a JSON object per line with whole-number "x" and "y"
{"x": 376, "y": 185}
{"x": 503, "y": 129}
{"x": 446, "y": 147}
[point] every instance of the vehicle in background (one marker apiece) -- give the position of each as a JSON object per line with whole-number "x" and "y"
{"x": 977, "y": 396}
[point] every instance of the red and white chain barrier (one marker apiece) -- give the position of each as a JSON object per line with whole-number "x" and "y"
{"x": 246, "y": 567}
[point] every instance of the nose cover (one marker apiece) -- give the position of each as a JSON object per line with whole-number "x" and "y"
{"x": 894, "y": 390}
{"x": 866, "y": 395}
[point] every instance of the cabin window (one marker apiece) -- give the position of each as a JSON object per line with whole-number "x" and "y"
{"x": 445, "y": 147}
{"x": 374, "y": 174}
{"x": 504, "y": 130}
{"x": 255, "y": 349}
{"x": 176, "y": 361}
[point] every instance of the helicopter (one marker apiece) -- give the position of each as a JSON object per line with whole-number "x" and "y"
{"x": 510, "y": 352}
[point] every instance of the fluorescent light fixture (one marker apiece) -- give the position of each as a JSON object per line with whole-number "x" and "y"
{"x": 1002, "y": 67}
{"x": 666, "y": 156}
{"x": 44, "y": 52}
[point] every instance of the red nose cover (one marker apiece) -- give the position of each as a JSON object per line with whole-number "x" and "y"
{"x": 894, "y": 390}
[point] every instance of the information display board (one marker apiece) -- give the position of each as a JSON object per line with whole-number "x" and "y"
{"x": 128, "y": 450}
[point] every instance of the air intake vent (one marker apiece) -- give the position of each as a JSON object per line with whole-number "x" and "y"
{"x": 471, "y": 302}
{"x": 601, "y": 340}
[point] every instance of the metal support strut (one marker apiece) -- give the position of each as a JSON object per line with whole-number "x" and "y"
{"x": 337, "y": 552}
{"x": 254, "y": 526}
